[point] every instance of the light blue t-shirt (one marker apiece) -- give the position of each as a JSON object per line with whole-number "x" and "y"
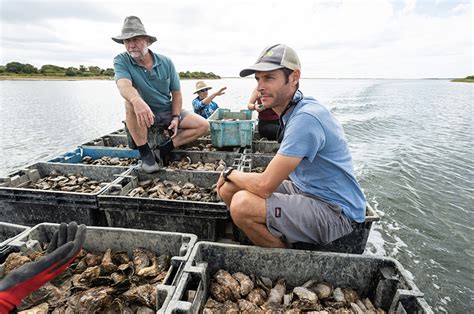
{"x": 326, "y": 170}
{"x": 202, "y": 109}
{"x": 155, "y": 85}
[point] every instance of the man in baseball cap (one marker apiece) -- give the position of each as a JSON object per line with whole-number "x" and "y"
{"x": 322, "y": 200}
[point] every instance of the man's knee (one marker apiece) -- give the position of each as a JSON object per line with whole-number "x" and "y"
{"x": 240, "y": 207}
{"x": 203, "y": 127}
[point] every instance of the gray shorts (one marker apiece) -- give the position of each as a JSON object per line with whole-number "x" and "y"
{"x": 158, "y": 133}
{"x": 296, "y": 217}
{"x": 164, "y": 118}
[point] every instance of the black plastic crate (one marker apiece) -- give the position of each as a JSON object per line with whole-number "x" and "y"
{"x": 354, "y": 242}
{"x": 381, "y": 279}
{"x": 200, "y": 218}
{"x": 29, "y": 207}
{"x": 177, "y": 245}
{"x": 230, "y": 158}
{"x": 10, "y": 231}
{"x": 110, "y": 140}
{"x": 265, "y": 147}
{"x": 118, "y": 132}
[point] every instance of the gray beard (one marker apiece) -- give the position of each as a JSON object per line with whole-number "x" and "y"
{"x": 144, "y": 53}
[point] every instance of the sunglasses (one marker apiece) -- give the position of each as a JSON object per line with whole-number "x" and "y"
{"x": 204, "y": 90}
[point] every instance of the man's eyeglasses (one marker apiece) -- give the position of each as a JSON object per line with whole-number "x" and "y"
{"x": 204, "y": 90}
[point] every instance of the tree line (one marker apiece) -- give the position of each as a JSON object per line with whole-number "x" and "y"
{"x": 17, "y": 68}
{"x": 54, "y": 70}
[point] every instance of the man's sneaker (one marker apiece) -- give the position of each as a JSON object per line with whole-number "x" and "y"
{"x": 149, "y": 165}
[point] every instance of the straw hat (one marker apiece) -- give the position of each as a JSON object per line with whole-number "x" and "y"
{"x": 200, "y": 85}
{"x": 132, "y": 27}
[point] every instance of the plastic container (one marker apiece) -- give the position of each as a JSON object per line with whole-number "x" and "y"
{"x": 353, "y": 243}
{"x": 233, "y": 159}
{"x": 381, "y": 279}
{"x": 265, "y": 147}
{"x": 29, "y": 207}
{"x": 231, "y": 128}
{"x": 75, "y": 157}
{"x": 108, "y": 141}
{"x": 119, "y": 132}
{"x": 177, "y": 245}
{"x": 9, "y": 231}
{"x": 200, "y": 218}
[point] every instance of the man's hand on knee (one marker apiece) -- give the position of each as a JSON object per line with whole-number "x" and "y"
{"x": 145, "y": 117}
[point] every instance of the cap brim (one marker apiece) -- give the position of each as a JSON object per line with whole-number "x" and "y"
{"x": 262, "y": 66}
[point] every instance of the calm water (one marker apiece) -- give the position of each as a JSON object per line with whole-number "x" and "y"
{"x": 411, "y": 141}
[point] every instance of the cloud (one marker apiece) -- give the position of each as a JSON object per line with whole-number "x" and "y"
{"x": 33, "y": 12}
{"x": 344, "y": 38}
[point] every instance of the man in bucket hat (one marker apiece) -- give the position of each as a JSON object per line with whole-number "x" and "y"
{"x": 150, "y": 86}
{"x": 204, "y": 104}
{"x": 322, "y": 200}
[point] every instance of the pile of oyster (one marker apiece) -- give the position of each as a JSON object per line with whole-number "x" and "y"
{"x": 202, "y": 147}
{"x": 186, "y": 164}
{"x": 241, "y": 293}
{"x": 96, "y": 282}
{"x": 109, "y": 161}
{"x": 122, "y": 146}
{"x": 173, "y": 190}
{"x": 65, "y": 182}
{"x": 259, "y": 169}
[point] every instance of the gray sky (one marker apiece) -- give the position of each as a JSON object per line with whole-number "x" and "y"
{"x": 334, "y": 38}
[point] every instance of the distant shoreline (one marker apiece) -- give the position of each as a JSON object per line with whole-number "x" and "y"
{"x": 69, "y": 78}
{"x": 53, "y": 78}
{"x": 463, "y": 80}
{"x": 106, "y": 78}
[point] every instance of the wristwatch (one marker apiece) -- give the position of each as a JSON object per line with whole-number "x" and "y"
{"x": 226, "y": 172}
{"x": 176, "y": 116}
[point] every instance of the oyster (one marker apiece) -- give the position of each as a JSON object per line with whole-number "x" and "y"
{"x": 39, "y": 309}
{"x": 225, "y": 279}
{"x": 246, "y": 284}
{"x": 220, "y": 293}
{"x": 257, "y": 296}
{"x": 144, "y": 294}
{"x": 140, "y": 259}
{"x": 277, "y": 292}
{"x": 107, "y": 264}
{"x": 91, "y": 300}
{"x": 14, "y": 261}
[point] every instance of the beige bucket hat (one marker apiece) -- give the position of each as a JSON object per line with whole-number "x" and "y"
{"x": 132, "y": 27}
{"x": 200, "y": 85}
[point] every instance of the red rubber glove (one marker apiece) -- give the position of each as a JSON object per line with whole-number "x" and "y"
{"x": 62, "y": 250}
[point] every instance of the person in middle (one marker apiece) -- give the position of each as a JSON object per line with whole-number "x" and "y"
{"x": 203, "y": 104}
{"x": 268, "y": 120}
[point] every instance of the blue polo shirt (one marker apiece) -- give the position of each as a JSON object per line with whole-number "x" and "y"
{"x": 326, "y": 170}
{"x": 202, "y": 109}
{"x": 155, "y": 85}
